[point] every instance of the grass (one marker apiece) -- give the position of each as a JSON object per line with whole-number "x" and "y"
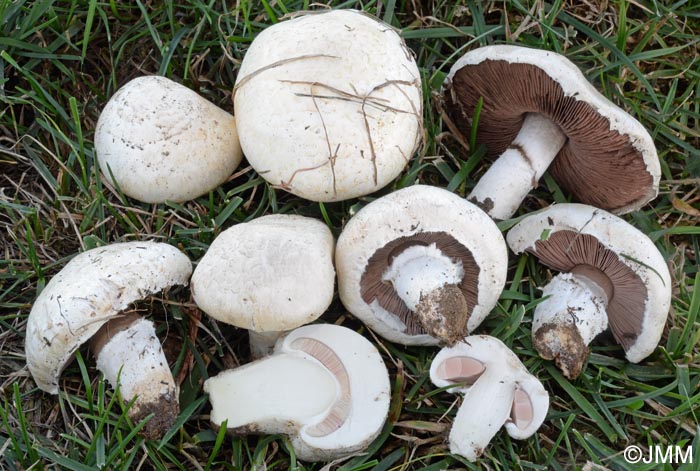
{"x": 61, "y": 61}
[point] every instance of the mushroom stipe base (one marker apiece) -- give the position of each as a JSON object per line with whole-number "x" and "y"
{"x": 443, "y": 313}
{"x": 563, "y": 344}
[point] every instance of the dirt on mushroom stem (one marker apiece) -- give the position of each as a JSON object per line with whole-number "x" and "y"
{"x": 444, "y": 313}
{"x": 563, "y": 344}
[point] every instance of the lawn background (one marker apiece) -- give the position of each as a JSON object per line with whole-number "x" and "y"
{"x": 60, "y": 61}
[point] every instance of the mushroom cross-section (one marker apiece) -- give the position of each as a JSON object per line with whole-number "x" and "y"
{"x": 329, "y": 105}
{"x": 421, "y": 265}
{"x": 612, "y": 276}
{"x": 324, "y": 386}
{"x": 538, "y": 109}
{"x": 498, "y": 391}
{"x": 272, "y": 274}
{"x": 85, "y": 301}
{"x": 159, "y": 140}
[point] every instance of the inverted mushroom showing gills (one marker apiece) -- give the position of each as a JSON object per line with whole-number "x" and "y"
{"x": 538, "y": 109}
{"x": 612, "y": 276}
{"x": 329, "y": 105}
{"x": 421, "y": 266}
{"x": 325, "y": 386}
{"x": 85, "y": 300}
{"x": 159, "y": 140}
{"x": 498, "y": 391}
{"x": 269, "y": 275}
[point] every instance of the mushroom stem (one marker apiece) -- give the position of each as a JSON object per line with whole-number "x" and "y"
{"x": 567, "y": 321}
{"x": 129, "y": 354}
{"x": 272, "y": 395}
{"x": 486, "y": 407}
{"x": 504, "y": 186}
{"x": 427, "y": 282}
{"x": 263, "y": 343}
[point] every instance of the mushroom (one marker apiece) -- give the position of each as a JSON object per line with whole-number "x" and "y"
{"x": 538, "y": 108}
{"x": 269, "y": 275}
{"x": 325, "y": 386}
{"x": 329, "y": 105}
{"x": 612, "y": 275}
{"x": 85, "y": 300}
{"x": 421, "y": 265}
{"x": 159, "y": 140}
{"x": 498, "y": 391}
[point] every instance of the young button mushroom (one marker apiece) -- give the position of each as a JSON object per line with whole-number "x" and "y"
{"x": 161, "y": 141}
{"x": 498, "y": 391}
{"x": 421, "y": 266}
{"x": 325, "y": 386}
{"x": 538, "y": 108}
{"x": 85, "y": 300}
{"x": 612, "y": 275}
{"x": 269, "y": 275}
{"x": 329, "y": 105}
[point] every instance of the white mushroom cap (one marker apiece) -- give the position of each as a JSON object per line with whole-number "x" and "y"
{"x": 273, "y": 273}
{"x": 329, "y": 105}
{"x": 566, "y": 235}
{"x": 498, "y": 391}
{"x": 162, "y": 141}
{"x": 325, "y": 386}
{"x": 93, "y": 288}
{"x": 608, "y": 159}
{"x": 424, "y": 229}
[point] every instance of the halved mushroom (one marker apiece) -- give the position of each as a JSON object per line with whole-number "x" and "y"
{"x": 498, "y": 391}
{"x": 161, "y": 141}
{"x": 538, "y": 108}
{"x": 269, "y": 275}
{"x": 329, "y": 105}
{"x": 613, "y": 275}
{"x": 325, "y": 386}
{"x": 421, "y": 265}
{"x": 85, "y": 301}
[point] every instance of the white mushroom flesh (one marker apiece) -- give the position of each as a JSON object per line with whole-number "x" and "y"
{"x": 498, "y": 391}
{"x": 485, "y": 409}
{"x": 278, "y": 394}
